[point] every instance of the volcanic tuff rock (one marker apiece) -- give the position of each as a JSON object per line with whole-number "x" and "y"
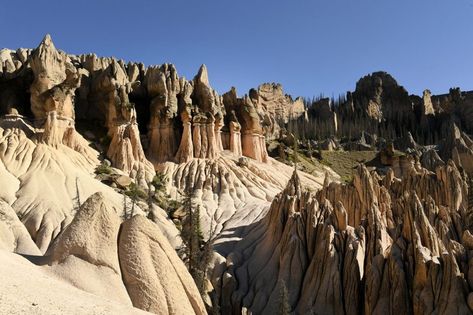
{"x": 28, "y": 289}
{"x": 13, "y": 235}
{"x": 396, "y": 242}
{"x": 155, "y": 277}
{"x": 149, "y": 118}
{"x": 91, "y": 256}
{"x": 276, "y": 108}
{"x": 380, "y": 106}
{"x": 178, "y": 119}
{"x": 86, "y": 253}
{"x": 370, "y": 247}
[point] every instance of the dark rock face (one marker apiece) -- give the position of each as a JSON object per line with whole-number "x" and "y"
{"x": 380, "y": 106}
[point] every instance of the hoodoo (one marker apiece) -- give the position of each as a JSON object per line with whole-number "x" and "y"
{"x": 127, "y": 188}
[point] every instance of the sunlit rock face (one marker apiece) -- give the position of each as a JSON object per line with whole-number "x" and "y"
{"x": 151, "y": 114}
{"x": 375, "y": 245}
{"x": 55, "y": 81}
{"x": 397, "y": 238}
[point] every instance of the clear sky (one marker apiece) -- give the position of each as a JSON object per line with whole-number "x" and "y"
{"x": 310, "y": 46}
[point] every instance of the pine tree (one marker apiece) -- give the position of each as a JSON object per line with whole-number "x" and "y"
{"x": 196, "y": 253}
{"x": 134, "y": 193}
{"x": 192, "y": 238}
{"x": 77, "y": 198}
{"x": 125, "y": 210}
{"x": 283, "y": 307}
{"x": 295, "y": 153}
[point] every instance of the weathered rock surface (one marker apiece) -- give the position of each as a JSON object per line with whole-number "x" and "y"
{"x": 397, "y": 242}
{"x": 374, "y": 246}
{"x": 382, "y": 107}
{"x": 13, "y": 235}
{"x": 232, "y": 195}
{"x": 155, "y": 277}
{"x": 275, "y": 107}
{"x": 28, "y": 289}
{"x": 86, "y": 253}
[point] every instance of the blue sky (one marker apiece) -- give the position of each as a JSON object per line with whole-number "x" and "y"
{"x": 311, "y": 47}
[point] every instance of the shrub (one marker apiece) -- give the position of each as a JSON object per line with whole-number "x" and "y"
{"x": 103, "y": 168}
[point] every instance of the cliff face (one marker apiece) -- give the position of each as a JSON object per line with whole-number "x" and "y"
{"x": 380, "y": 106}
{"x": 177, "y": 119}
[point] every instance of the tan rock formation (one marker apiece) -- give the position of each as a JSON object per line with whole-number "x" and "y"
{"x": 428, "y": 107}
{"x": 195, "y": 105}
{"x": 207, "y": 120}
{"x": 398, "y": 242}
{"x": 55, "y": 81}
{"x": 163, "y": 86}
{"x": 276, "y": 108}
{"x": 459, "y": 147}
{"x": 29, "y": 289}
{"x": 86, "y": 253}
{"x": 13, "y": 235}
{"x": 252, "y": 135}
{"x": 155, "y": 277}
{"x": 125, "y": 149}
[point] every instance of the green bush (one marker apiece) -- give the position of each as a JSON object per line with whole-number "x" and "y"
{"x": 159, "y": 182}
{"x": 135, "y": 193}
{"x": 103, "y": 169}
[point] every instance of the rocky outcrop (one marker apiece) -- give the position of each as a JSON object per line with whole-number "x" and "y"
{"x": 55, "y": 81}
{"x": 458, "y": 146}
{"x": 86, "y": 253}
{"x": 427, "y": 105}
{"x": 244, "y": 112}
{"x": 109, "y": 88}
{"x": 231, "y": 194}
{"x": 431, "y": 160}
{"x": 275, "y": 107}
{"x": 381, "y": 107}
{"x": 156, "y": 279}
{"x": 14, "y": 237}
{"x": 394, "y": 241}
{"x": 373, "y": 246}
{"x": 323, "y": 119}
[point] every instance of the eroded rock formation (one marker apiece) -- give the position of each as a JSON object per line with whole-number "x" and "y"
{"x": 395, "y": 239}
{"x": 156, "y": 279}
{"x": 370, "y": 247}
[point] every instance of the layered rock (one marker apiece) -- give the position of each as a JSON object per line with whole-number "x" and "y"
{"x": 163, "y": 86}
{"x": 55, "y": 81}
{"x": 52, "y": 180}
{"x": 52, "y": 97}
{"x": 398, "y": 242}
{"x": 232, "y": 195}
{"x": 165, "y": 118}
{"x": 192, "y": 105}
{"x": 109, "y": 89}
{"x": 244, "y": 113}
{"x": 275, "y": 107}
